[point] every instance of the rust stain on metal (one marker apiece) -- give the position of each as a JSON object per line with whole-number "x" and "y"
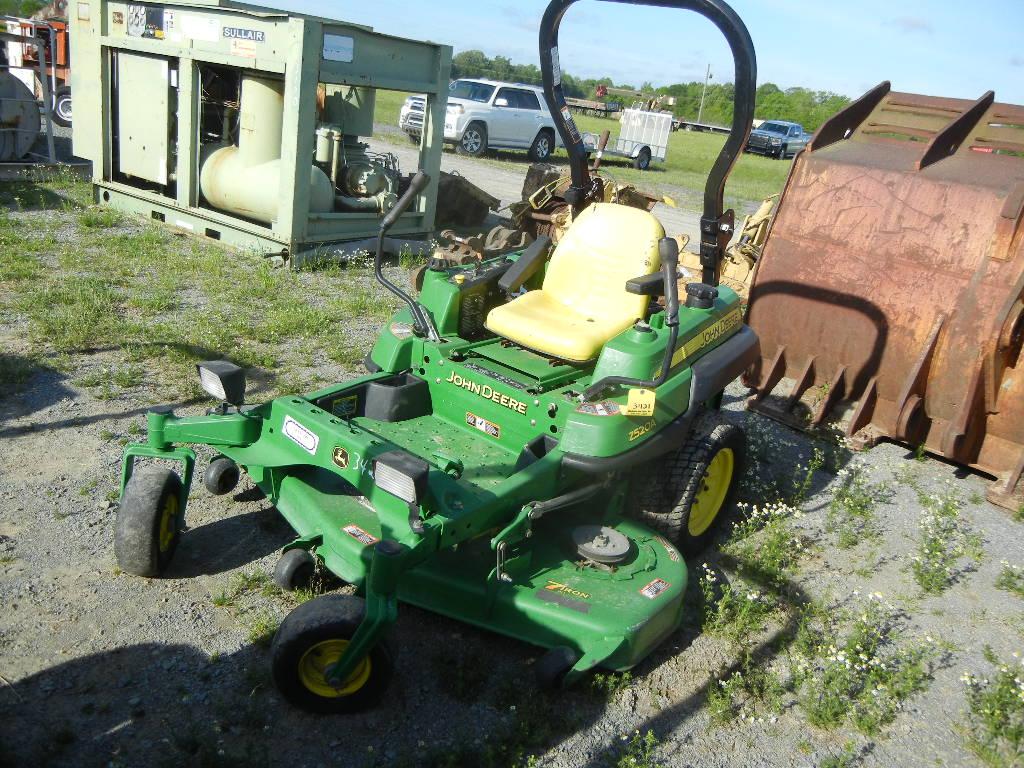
{"x": 890, "y": 291}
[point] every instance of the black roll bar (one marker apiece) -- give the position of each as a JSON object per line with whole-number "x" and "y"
{"x": 716, "y": 224}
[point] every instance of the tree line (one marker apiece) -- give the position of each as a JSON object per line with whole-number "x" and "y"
{"x": 801, "y": 105}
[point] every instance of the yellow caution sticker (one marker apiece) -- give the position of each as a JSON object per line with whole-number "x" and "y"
{"x": 640, "y": 402}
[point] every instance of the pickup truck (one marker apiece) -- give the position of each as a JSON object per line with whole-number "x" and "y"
{"x": 487, "y": 114}
{"x": 777, "y": 138}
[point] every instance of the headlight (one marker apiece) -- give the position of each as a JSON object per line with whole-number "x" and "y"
{"x": 223, "y": 380}
{"x": 401, "y": 474}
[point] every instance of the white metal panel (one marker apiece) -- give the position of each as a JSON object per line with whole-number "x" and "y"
{"x": 143, "y": 116}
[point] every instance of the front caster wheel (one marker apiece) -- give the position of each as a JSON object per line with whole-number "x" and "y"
{"x": 149, "y": 522}
{"x": 310, "y": 640}
{"x": 294, "y": 570}
{"x": 553, "y": 666}
{"x": 221, "y": 476}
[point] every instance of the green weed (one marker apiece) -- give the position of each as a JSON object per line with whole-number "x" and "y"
{"x": 15, "y": 371}
{"x": 610, "y": 685}
{"x": 944, "y": 539}
{"x": 752, "y": 688}
{"x": 262, "y": 628}
{"x": 1011, "y": 579}
{"x": 852, "y": 510}
{"x": 995, "y": 719}
{"x": 845, "y": 759}
{"x": 99, "y": 218}
{"x": 638, "y": 752}
{"x": 863, "y": 674}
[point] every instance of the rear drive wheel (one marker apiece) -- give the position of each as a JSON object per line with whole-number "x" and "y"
{"x": 687, "y": 493}
{"x": 62, "y": 107}
{"x": 542, "y": 147}
{"x": 643, "y": 159}
{"x": 473, "y": 141}
{"x": 149, "y": 522}
{"x": 310, "y": 640}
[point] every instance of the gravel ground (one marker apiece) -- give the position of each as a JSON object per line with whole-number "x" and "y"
{"x": 101, "y": 668}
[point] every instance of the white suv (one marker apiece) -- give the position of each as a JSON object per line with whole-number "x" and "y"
{"x": 487, "y": 114}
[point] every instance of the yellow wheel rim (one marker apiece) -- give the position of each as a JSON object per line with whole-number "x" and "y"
{"x": 168, "y": 522}
{"x": 315, "y": 662}
{"x": 711, "y": 495}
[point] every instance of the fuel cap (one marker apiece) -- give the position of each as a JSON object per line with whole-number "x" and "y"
{"x": 601, "y": 544}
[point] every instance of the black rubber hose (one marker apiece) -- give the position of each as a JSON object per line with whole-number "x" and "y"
{"x": 421, "y": 322}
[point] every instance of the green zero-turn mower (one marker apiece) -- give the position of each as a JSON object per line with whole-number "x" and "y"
{"x": 522, "y": 456}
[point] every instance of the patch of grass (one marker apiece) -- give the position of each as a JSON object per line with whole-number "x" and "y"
{"x": 88, "y": 487}
{"x": 15, "y": 371}
{"x": 76, "y": 312}
{"x": 262, "y": 628}
{"x": 944, "y": 539}
{"x": 752, "y": 688}
{"x": 7, "y": 559}
{"x": 995, "y": 719}
{"x": 733, "y": 612}
{"x": 638, "y": 752}
{"x": 862, "y": 674}
{"x": 851, "y": 514}
{"x": 1011, "y": 579}
{"x": 764, "y": 544}
{"x": 845, "y": 759}
{"x": 106, "y": 435}
{"x": 96, "y": 217}
{"x": 609, "y": 685}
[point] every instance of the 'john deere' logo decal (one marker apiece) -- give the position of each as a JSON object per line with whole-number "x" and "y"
{"x": 487, "y": 392}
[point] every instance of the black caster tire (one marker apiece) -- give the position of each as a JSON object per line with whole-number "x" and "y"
{"x": 686, "y": 495}
{"x": 294, "y": 570}
{"x": 553, "y": 666}
{"x": 221, "y": 476}
{"x": 149, "y": 522}
{"x": 313, "y": 636}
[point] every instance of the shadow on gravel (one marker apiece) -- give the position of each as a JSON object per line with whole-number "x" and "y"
{"x": 229, "y": 543}
{"x": 78, "y": 421}
{"x": 27, "y": 386}
{"x": 152, "y": 704}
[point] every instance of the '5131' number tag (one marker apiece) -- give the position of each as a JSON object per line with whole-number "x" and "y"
{"x": 640, "y": 402}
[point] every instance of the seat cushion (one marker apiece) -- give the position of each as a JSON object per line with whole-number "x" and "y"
{"x": 538, "y": 321}
{"x": 583, "y": 303}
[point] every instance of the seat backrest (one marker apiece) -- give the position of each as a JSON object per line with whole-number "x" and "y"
{"x": 606, "y": 245}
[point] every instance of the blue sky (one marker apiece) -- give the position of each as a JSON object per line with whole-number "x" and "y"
{"x": 936, "y": 47}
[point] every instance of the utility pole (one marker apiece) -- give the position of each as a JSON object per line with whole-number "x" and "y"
{"x": 700, "y": 111}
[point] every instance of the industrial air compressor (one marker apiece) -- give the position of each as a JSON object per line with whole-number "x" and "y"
{"x": 247, "y": 125}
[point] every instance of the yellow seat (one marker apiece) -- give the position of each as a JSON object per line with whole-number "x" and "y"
{"x": 583, "y": 302}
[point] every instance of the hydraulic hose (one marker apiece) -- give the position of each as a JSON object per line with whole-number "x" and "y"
{"x": 421, "y": 323}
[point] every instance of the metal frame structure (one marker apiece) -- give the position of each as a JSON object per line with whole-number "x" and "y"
{"x": 303, "y": 50}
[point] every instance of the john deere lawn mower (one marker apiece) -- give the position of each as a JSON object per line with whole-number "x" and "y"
{"x": 522, "y": 456}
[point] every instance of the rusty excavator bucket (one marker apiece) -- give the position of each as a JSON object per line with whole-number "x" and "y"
{"x": 888, "y": 296}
